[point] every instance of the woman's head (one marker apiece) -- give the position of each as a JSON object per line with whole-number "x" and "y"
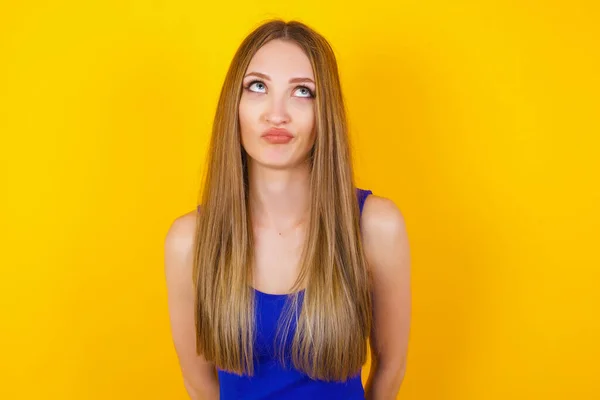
{"x": 283, "y": 76}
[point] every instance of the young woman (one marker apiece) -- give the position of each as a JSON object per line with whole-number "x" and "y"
{"x": 278, "y": 278}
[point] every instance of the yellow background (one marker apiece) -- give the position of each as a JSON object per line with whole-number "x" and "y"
{"x": 478, "y": 118}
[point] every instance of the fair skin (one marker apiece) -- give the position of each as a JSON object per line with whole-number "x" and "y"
{"x": 278, "y": 86}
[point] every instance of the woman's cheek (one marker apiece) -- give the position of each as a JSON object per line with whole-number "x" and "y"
{"x": 247, "y": 115}
{"x": 309, "y": 117}
{"x": 253, "y": 109}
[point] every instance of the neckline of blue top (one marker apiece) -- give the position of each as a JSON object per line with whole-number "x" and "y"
{"x": 276, "y": 294}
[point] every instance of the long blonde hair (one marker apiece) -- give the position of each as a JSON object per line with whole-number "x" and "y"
{"x": 330, "y": 341}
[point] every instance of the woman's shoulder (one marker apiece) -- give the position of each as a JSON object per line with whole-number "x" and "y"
{"x": 183, "y": 226}
{"x": 385, "y": 240}
{"x": 382, "y": 223}
{"x": 179, "y": 240}
{"x": 378, "y": 206}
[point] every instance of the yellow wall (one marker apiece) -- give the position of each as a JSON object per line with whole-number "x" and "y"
{"x": 479, "y": 118}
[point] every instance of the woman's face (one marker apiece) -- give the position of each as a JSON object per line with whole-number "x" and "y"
{"x": 277, "y": 113}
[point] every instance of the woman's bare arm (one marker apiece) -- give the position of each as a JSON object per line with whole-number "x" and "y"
{"x": 387, "y": 252}
{"x": 199, "y": 376}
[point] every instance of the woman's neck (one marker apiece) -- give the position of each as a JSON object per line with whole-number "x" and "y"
{"x": 279, "y": 198}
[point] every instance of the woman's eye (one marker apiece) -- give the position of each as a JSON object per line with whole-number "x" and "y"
{"x": 258, "y": 87}
{"x": 303, "y": 92}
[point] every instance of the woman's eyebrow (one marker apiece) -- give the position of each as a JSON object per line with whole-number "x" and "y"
{"x": 301, "y": 80}
{"x": 258, "y": 74}
{"x": 267, "y": 78}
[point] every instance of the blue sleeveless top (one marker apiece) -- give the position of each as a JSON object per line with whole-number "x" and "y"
{"x": 273, "y": 381}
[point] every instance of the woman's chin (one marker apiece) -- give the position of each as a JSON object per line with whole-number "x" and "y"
{"x": 277, "y": 163}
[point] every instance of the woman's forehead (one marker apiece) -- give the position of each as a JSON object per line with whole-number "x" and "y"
{"x": 281, "y": 59}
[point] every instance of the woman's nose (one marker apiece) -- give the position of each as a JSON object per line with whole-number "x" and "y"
{"x": 277, "y": 112}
